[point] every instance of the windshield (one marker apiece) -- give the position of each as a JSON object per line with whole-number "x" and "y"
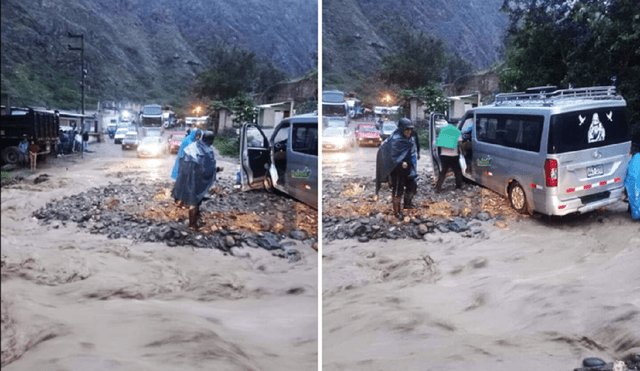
{"x": 152, "y": 110}
{"x": 122, "y": 131}
{"x": 150, "y": 140}
{"x": 333, "y": 132}
{"x": 368, "y": 128}
{"x": 177, "y": 137}
{"x": 387, "y": 126}
{"x": 334, "y": 109}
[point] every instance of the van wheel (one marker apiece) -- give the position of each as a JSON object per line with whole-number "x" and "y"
{"x": 268, "y": 183}
{"x": 517, "y": 198}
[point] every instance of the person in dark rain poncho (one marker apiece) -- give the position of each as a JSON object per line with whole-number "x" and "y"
{"x": 196, "y": 174}
{"x": 190, "y": 138}
{"x": 397, "y": 159}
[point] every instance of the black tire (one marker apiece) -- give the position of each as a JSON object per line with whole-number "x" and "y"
{"x": 11, "y": 155}
{"x": 517, "y": 198}
{"x": 268, "y": 183}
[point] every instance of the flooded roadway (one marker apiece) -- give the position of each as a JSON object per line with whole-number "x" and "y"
{"x": 536, "y": 293}
{"x": 73, "y": 300}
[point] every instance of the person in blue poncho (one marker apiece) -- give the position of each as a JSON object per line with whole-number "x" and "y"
{"x": 632, "y": 184}
{"x": 397, "y": 160}
{"x": 190, "y": 138}
{"x": 196, "y": 174}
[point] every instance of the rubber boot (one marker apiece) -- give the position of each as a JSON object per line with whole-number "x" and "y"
{"x": 193, "y": 218}
{"x": 408, "y": 198}
{"x": 397, "y": 210}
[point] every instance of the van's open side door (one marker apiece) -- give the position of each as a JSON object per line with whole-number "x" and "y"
{"x": 433, "y": 136}
{"x": 255, "y": 156}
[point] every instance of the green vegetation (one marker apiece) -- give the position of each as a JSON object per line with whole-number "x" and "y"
{"x": 578, "y": 44}
{"x": 423, "y": 138}
{"x": 431, "y": 96}
{"x": 234, "y": 71}
{"x": 228, "y": 143}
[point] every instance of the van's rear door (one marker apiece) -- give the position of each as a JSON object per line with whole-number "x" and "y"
{"x": 592, "y": 149}
{"x": 254, "y": 156}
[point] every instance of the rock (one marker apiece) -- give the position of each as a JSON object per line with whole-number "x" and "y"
{"x": 240, "y": 252}
{"x": 229, "y": 241}
{"x": 483, "y": 216}
{"x": 269, "y": 241}
{"x": 292, "y": 255}
{"x": 458, "y": 225}
{"x": 442, "y": 228}
{"x": 363, "y": 239}
{"x": 298, "y": 235}
{"x": 593, "y": 362}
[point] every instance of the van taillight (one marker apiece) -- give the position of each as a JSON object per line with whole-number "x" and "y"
{"x": 551, "y": 172}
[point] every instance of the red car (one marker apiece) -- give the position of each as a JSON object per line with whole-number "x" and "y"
{"x": 174, "y": 141}
{"x": 367, "y": 134}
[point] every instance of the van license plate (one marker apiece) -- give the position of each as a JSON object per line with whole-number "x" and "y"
{"x": 595, "y": 171}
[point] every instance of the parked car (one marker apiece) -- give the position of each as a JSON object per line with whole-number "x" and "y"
{"x": 337, "y": 139}
{"x": 119, "y": 135}
{"x": 333, "y": 122}
{"x": 152, "y": 147}
{"x": 287, "y": 161}
{"x": 130, "y": 140}
{"x": 388, "y": 127}
{"x": 174, "y": 141}
{"x": 367, "y": 134}
{"x": 553, "y": 152}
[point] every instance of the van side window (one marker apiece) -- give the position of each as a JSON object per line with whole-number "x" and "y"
{"x": 515, "y": 131}
{"x": 305, "y": 139}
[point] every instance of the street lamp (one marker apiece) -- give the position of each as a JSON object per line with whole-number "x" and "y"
{"x": 83, "y": 72}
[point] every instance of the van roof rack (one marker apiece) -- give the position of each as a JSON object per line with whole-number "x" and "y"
{"x": 546, "y": 96}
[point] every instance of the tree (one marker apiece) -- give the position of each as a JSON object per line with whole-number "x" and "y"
{"x": 243, "y": 107}
{"x": 585, "y": 43}
{"x": 431, "y": 96}
{"x": 233, "y": 71}
{"x": 420, "y": 61}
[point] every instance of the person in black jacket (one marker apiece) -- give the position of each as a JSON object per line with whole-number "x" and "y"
{"x": 397, "y": 160}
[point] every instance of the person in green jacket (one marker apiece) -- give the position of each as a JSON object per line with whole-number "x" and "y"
{"x": 447, "y": 143}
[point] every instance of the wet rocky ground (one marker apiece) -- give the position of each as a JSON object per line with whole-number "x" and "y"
{"x": 144, "y": 211}
{"x": 351, "y": 210}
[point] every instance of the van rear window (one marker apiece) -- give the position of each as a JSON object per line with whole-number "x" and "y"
{"x": 515, "y": 131}
{"x": 576, "y": 131}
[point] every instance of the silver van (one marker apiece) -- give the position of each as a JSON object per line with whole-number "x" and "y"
{"x": 287, "y": 161}
{"x": 554, "y": 152}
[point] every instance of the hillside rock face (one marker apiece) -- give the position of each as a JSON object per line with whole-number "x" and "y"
{"x": 150, "y": 48}
{"x": 357, "y": 33}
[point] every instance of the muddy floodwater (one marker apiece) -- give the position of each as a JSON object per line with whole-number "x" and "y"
{"x": 75, "y": 300}
{"x": 529, "y": 294}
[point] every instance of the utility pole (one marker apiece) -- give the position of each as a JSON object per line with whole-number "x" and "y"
{"x": 83, "y": 72}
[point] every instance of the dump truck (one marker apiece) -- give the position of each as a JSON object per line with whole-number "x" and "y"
{"x": 40, "y": 126}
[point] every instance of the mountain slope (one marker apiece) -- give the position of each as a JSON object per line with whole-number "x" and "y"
{"x": 356, "y": 33}
{"x": 143, "y": 49}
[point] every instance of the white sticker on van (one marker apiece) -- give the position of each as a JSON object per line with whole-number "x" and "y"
{"x": 596, "y": 130}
